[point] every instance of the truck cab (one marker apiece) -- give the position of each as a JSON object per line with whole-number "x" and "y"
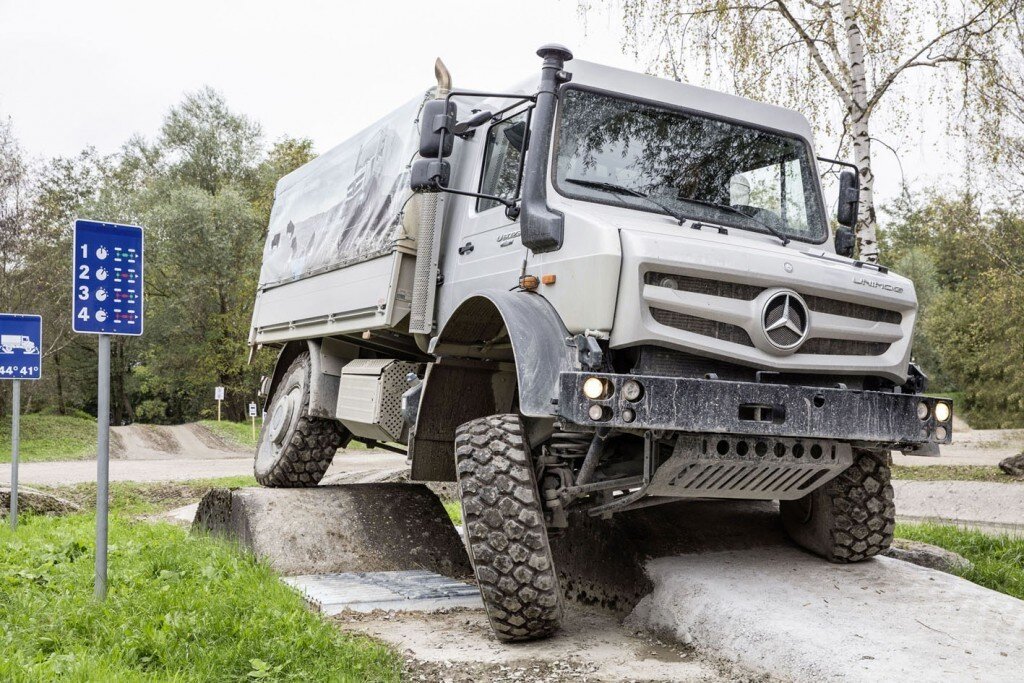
{"x": 592, "y": 292}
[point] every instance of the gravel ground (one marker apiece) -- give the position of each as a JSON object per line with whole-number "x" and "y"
{"x": 458, "y": 647}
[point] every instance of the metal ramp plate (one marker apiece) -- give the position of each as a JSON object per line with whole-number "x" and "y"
{"x": 407, "y": 591}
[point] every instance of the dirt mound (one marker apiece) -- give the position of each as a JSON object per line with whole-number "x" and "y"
{"x": 165, "y": 442}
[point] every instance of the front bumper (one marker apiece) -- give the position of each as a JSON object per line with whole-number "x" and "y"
{"x": 725, "y": 407}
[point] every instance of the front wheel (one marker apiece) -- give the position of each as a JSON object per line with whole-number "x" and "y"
{"x": 505, "y": 529}
{"x": 295, "y": 449}
{"x": 849, "y": 519}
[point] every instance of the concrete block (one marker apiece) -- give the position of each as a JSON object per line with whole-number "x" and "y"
{"x": 329, "y": 529}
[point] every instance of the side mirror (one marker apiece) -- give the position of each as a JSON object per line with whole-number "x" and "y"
{"x": 436, "y": 121}
{"x": 849, "y": 199}
{"x": 845, "y": 241}
{"x": 429, "y": 175}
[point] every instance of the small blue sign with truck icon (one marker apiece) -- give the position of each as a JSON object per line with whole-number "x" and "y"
{"x": 107, "y": 279}
{"x": 21, "y": 342}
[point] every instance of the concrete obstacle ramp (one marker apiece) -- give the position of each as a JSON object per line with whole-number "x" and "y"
{"x": 783, "y": 612}
{"x": 332, "y": 529}
{"x": 722, "y": 577}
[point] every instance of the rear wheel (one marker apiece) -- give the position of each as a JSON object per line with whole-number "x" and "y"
{"x": 849, "y": 519}
{"x": 505, "y": 530}
{"x": 294, "y": 449}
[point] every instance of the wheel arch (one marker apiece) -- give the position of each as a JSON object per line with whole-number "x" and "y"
{"x": 496, "y": 346}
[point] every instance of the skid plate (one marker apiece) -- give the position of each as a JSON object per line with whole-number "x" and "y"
{"x": 751, "y": 468}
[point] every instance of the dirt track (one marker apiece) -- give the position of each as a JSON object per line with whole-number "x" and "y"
{"x": 158, "y": 442}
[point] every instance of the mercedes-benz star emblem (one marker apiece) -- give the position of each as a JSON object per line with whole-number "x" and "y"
{"x": 785, "y": 320}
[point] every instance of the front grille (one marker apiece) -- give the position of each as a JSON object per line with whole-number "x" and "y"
{"x": 843, "y": 347}
{"x": 781, "y": 336}
{"x": 702, "y": 326}
{"x": 847, "y": 310}
{"x": 699, "y": 285}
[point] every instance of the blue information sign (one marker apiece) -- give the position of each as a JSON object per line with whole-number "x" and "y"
{"x": 107, "y": 279}
{"x": 21, "y": 344}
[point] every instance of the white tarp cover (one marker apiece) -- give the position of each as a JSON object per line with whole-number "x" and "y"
{"x": 343, "y": 207}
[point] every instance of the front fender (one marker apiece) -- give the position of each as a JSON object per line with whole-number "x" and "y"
{"x": 539, "y": 341}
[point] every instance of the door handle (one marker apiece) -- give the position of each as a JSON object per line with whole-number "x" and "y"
{"x": 465, "y": 249}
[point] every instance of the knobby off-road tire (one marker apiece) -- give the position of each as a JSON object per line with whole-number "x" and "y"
{"x": 294, "y": 449}
{"x": 849, "y": 519}
{"x": 504, "y": 522}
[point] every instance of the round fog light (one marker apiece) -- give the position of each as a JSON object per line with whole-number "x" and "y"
{"x": 596, "y": 412}
{"x": 628, "y": 415}
{"x": 631, "y": 390}
{"x": 922, "y": 410}
{"x": 594, "y": 388}
{"x": 940, "y": 433}
{"x": 942, "y": 412}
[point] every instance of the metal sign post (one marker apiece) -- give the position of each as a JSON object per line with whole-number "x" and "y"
{"x": 21, "y": 343}
{"x": 252, "y": 414}
{"x": 218, "y": 394}
{"x": 107, "y": 300}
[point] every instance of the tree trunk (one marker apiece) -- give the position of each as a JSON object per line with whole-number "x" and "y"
{"x": 867, "y": 240}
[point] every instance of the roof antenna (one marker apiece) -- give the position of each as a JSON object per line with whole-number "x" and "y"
{"x": 444, "y": 79}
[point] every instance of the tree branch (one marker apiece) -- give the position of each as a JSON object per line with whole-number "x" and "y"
{"x": 816, "y": 55}
{"x": 914, "y": 60}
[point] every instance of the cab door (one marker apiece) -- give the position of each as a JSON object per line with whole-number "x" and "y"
{"x": 489, "y": 253}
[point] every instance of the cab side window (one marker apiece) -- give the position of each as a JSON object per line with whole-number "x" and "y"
{"x": 501, "y": 160}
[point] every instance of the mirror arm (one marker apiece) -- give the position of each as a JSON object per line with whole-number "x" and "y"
{"x": 856, "y": 170}
{"x": 474, "y": 93}
{"x": 507, "y": 203}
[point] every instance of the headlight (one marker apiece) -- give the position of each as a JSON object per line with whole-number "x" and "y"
{"x": 942, "y": 412}
{"x": 596, "y": 388}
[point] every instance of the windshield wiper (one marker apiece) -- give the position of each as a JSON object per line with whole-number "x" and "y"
{"x": 612, "y": 188}
{"x": 738, "y": 212}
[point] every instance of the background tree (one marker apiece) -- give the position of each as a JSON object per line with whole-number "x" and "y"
{"x": 831, "y": 59}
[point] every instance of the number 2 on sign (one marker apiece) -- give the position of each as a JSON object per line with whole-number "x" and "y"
{"x": 83, "y": 272}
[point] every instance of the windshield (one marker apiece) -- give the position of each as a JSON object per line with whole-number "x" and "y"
{"x": 705, "y": 169}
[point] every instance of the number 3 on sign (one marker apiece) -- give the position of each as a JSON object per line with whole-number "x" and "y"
{"x": 83, "y": 293}
{"x": 83, "y": 314}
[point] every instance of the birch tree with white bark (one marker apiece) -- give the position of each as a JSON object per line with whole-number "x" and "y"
{"x": 837, "y": 61}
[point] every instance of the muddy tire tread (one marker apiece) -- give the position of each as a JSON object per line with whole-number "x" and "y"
{"x": 505, "y": 529}
{"x": 304, "y": 461}
{"x": 854, "y": 515}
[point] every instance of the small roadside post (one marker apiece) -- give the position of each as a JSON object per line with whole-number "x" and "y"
{"x": 252, "y": 414}
{"x": 107, "y": 301}
{"x": 218, "y": 395}
{"x": 21, "y": 349}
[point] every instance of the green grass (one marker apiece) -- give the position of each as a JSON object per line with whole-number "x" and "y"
{"x": 239, "y": 433}
{"x": 135, "y": 498}
{"x": 180, "y": 608}
{"x": 50, "y": 437}
{"x": 998, "y": 560}
{"x": 953, "y": 473}
{"x": 454, "y": 510}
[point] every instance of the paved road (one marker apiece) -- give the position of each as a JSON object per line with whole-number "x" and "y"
{"x": 972, "y": 447}
{"x": 177, "y": 468}
{"x": 989, "y": 506}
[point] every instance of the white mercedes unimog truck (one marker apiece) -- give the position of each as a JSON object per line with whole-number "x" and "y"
{"x": 594, "y": 292}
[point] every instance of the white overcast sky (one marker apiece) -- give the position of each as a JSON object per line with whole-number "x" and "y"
{"x": 80, "y": 73}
